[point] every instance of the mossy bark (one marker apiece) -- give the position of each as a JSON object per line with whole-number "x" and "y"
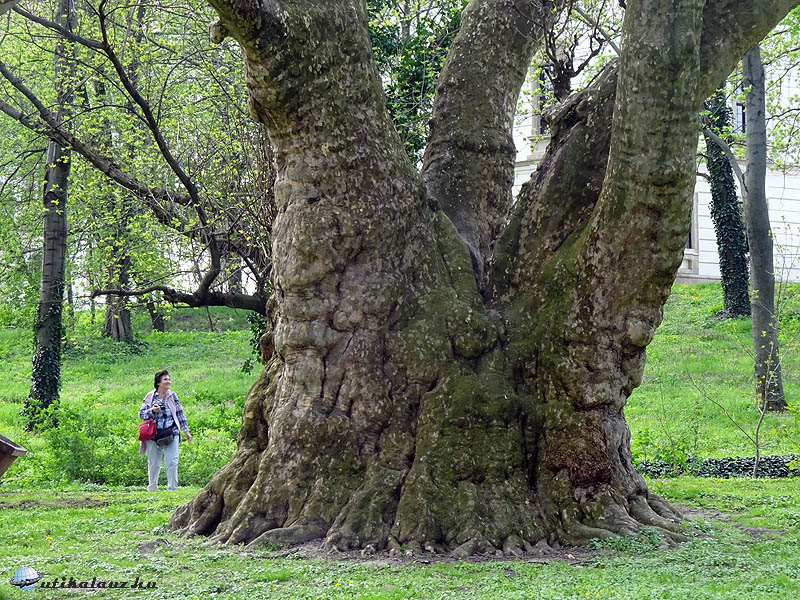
{"x": 407, "y": 401}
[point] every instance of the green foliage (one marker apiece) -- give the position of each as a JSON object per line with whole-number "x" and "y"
{"x": 739, "y": 466}
{"x": 410, "y": 42}
{"x": 258, "y": 327}
{"x": 645, "y": 540}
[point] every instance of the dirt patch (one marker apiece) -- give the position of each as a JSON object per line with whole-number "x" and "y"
{"x": 55, "y": 503}
{"x": 150, "y": 547}
{"x": 691, "y": 513}
{"x": 758, "y": 532}
{"x": 312, "y": 550}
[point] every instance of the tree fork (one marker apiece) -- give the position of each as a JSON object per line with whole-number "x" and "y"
{"x": 400, "y": 407}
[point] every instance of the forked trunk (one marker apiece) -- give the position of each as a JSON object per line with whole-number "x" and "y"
{"x": 403, "y": 405}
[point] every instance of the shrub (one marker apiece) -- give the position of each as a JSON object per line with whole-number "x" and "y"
{"x": 739, "y": 466}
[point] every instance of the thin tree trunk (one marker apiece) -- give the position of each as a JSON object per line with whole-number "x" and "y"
{"x": 156, "y": 316}
{"x": 117, "y": 324}
{"x": 726, "y": 215}
{"x": 46, "y": 373}
{"x": 769, "y": 384}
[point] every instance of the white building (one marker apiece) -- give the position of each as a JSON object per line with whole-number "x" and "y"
{"x": 701, "y": 261}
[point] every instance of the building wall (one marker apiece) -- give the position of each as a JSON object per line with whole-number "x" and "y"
{"x": 783, "y": 198}
{"x": 701, "y": 261}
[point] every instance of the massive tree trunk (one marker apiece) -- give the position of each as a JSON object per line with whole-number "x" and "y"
{"x": 769, "y": 383}
{"x": 46, "y": 372}
{"x": 726, "y": 215}
{"x": 416, "y": 396}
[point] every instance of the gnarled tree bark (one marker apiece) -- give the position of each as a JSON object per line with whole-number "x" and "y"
{"x": 407, "y": 400}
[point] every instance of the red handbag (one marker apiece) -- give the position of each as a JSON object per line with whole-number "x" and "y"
{"x": 147, "y": 429}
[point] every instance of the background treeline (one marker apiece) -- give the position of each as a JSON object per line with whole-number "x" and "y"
{"x": 697, "y": 366}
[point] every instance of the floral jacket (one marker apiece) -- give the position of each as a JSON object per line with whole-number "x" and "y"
{"x": 174, "y": 405}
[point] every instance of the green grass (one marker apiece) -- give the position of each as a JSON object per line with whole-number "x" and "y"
{"x": 67, "y": 528}
{"x": 696, "y": 357}
{"x": 98, "y": 532}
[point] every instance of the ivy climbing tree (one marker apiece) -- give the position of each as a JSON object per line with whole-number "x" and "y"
{"x": 726, "y": 212}
{"x": 46, "y": 373}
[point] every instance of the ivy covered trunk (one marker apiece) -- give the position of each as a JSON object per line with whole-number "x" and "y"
{"x": 453, "y": 380}
{"x": 726, "y": 214}
{"x": 46, "y": 371}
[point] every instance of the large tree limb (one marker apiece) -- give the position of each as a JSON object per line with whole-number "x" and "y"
{"x": 7, "y": 5}
{"x": 200, "y": 297}
{"x": 729, "y": 29}
{"x": 469, "y": 160}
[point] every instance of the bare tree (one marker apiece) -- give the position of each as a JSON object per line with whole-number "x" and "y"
{"x": 769, "y": 383}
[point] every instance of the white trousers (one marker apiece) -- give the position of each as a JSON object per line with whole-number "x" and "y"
{"x": 170, "y": 453}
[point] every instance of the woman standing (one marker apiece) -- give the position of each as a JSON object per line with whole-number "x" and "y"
{"x": 163, "y": 407}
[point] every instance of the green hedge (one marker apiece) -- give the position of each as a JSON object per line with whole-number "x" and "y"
{"x": 739, "y": 466}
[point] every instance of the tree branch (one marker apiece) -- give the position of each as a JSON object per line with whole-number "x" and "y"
{"x": 105, "y": 164}
{"x": 201, "y": 297}
{"x": 163, "y": 147}
{"x": 63, "y": 31}
{"x": 589, "y": 20}
{"x": 469, "y": 160}
{"x": 7, "y": 5}
{"x": 726, "y": 149}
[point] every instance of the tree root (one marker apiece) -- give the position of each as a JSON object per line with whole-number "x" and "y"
{"x": 289, "y": 536}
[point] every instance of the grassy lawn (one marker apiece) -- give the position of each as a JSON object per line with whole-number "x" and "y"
{"x": 696, "y": 359}
{"x": 118, "y": 534}
{"x": 74, "y": 506}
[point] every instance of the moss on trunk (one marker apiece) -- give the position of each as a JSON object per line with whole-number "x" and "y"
{"x": 401, "y": 405}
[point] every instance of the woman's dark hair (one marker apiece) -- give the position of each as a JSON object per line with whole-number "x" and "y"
{"x": 159, "y": 376}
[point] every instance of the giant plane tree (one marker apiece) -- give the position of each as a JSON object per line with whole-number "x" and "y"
{"x": 448, "y": 370}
